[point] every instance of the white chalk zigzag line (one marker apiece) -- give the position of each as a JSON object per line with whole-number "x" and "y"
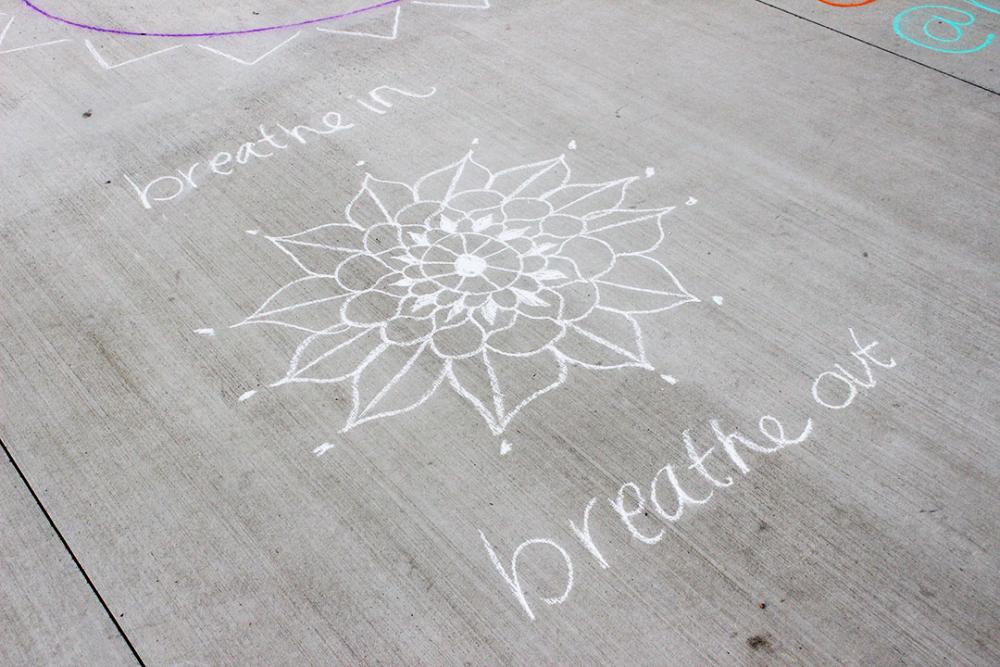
{"x": 393, "y": 33}
{"x": 103, "y": 62}
{"x": 258, "y": 59}
{"x": 6, "y": 29}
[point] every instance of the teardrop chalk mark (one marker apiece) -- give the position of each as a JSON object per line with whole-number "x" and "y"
{"x": 323, "y": 449}
{"x": 219, "y": 33}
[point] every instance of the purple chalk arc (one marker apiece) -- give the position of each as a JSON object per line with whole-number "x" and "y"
{"x": 212, "y": 33}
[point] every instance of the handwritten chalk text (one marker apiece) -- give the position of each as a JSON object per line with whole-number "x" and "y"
{"x": 268, "y": 142}
{"x": 676, "y": 487}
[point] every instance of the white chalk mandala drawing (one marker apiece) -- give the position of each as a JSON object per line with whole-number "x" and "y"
{"x": 491, "y": 283}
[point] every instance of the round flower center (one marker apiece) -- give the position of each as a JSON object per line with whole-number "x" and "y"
{"x": 470, "y": 265}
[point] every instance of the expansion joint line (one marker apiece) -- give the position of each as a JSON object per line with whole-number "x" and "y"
{"x": 880, "y": 48}
{"x": 72, "y": 555}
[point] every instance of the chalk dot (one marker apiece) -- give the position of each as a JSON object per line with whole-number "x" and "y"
{"x": 505, "y": 448}
{"x": 323, "y": 449}
{"x": 691, "y": 201}
{"x": 650, "y": 172}
{"x": 475, "y": 142}
{"x": 359, "y": 163}
{"x": 718, "y": 300}
{"x": 246, "y": 395}
{"x": 572, "y": 145}
{"x": 669, "y": 379}
{"x": 253, "y": 232}
{"x": 205, "y": 332}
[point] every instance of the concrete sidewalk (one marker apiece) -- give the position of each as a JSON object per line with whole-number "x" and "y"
{"x": 501, "y": 333}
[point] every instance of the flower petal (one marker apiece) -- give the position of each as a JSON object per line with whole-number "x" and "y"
{"x": 505, "y": 298}
{"x": 398, "y": 380}
{"x": 399, "y": 260}
{"x": 502, "y": 319}
{"x": 585, "y": 198}
{"x": 660, "y": 290}
{"x": 533, "y": 264}
{"x": 499, "y": 387}
{"x": 336, "y": 236}
{"x": 461, "y": 340}
{"x": 420, "y": 214}
{"x": 579, "y": 298}
{"x": 489, "y": 311}
{"x": 604, "y": 339}
{"x": 461, "y": 176}
{"x": 521, "y": 244}
{"x": 382, "y": 237}
{"x": 564, "y": 266}
{"x": 544, "y": 275}
{"x": 311, "y": 303}
{"x": 321, "y": 249}
{"x": 470, "y": 378}
{"x": 525, "y": 337}
{"x": 590, "y": 256}
{"x": 532, "y": 180}
{"x": 484, "y": 222}
{"x": 378, "y": 202}
{"x": 542, "y": 303}
{"x": 629, "y": 232}
{"x": 405, "y": 330}
{"x": 511, "y": 233}
{"x": 526, "y": 209}
{"x": 360, "y": 272}
{"x": 562, "y": 226}
{"x": 333, "y": 356}
{"x": 371, "y": 307}
{"x": 523, "y": 379}
{"x": 476, "y": 203}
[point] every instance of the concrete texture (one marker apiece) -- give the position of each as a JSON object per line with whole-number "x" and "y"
{"x": 960, "y": 40}
{"x": 49, "y": 614}
{"x": 820, "y": 184}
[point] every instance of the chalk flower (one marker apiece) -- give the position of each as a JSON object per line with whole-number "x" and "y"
{"x": 489, "y": 282}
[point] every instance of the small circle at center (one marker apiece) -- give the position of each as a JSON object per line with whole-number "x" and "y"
{"x": 470, "y": 265}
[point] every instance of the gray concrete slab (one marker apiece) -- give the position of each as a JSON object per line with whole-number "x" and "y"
{"x": 957, "y": 37}
{"x": 240, "y": 506}
{"x": 48, "y": 614}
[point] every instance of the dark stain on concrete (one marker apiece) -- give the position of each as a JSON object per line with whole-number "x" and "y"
{"x": 759, "y": 643}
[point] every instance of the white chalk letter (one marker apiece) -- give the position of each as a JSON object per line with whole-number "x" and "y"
{"x": 862, "y": 351}
{"x": 514, "y": 581}
{"x": 626, "y": 515}
{"x": 697, "y": 462}
{"x": 144, "y": 193}
{"x": 852, "y": 390}
{"x": 781, "y": 439}
{"x": 583, "y": 534}
{"x": 246, "y": 151}
{"x": 682, "y": 497}
{"x": 729, "y": 444}
{"x": 337, "y": 123}
{"x": 220, "y": 160}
